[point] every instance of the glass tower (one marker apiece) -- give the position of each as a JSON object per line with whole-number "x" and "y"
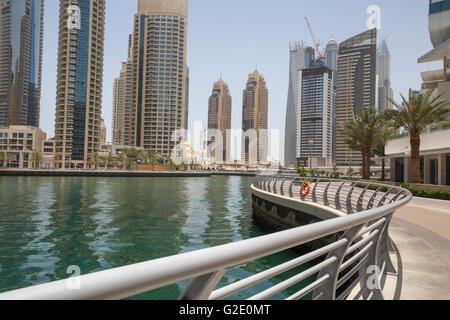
{"x": 300, "y": 58}
{"x": 355, "y": 87}
{"x": 21, "y": 39}
{"x": 79, "y": 81}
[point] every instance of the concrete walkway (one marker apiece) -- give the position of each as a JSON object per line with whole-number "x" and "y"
{"x": 421, "y": 232}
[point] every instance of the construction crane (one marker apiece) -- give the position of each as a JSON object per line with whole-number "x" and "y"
{"x": 316, "y": 44}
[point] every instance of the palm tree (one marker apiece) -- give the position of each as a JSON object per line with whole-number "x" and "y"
{"x": 170, "y": 164}
{"x": 380, "y": 151}
{"x": 94, "y": 160}
{"x": 415, "y": 114}
{"x": 121, "y": 161}
{"x": 110, "y": 161}
{"x": 369, "y": 130}
{"x": 5, "y": 159}
{"x": 128, "y": 162}
{"x": 37, "y": 159}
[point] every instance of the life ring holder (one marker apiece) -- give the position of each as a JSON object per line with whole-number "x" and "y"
{"x": 306, "y": 189}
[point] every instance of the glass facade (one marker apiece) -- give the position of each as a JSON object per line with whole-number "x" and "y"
{"x": 79, "y": 84}
{"x": 82, "y": 56}
{"x": 439, "y": 6}
{"x": 21, "y": 32}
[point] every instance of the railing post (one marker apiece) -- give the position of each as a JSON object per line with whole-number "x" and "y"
{"x": 282, "y": 187}
{"x": 201, "y": 287}
{"x": 384, "y": 247}
{"x": 325, "y": 195}
{"x": 361, "y": 197}
{"x": 369, "y": 289}
{"x": 349, "y": 199}
{"x": 338, "y": 198}
{"x": 291, "y": 193}
{"x": 372, "y": 200}
{"x": 314, "y": 196}
{"x": 327, "y": 291}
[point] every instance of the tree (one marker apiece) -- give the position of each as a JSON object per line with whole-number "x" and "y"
{"x": 302, "y": 172}
{"x": 380, "y": 152}
{"x": 37, "y": 159}
{"x": 5, "y": 159}
{"x": 369, "y": 130}
{"x": 415, "y": 114}
{"x": 121, "y": 161}
{"x": 110, "y": 161}
{"x": 94, "y": 160}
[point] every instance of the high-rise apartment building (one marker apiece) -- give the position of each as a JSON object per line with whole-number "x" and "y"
{"x": 331, "y": 54}
{"x": 355, "y": 87}
{"x": 21, "y": 39}
{"x": 300, "y": 58}
{"x": 219, "y": 118}
{"x": 255, "y": 108}
{"x": 79, "y": 81}
{"x": 316, "y": 116}
{"x": 121, "y": 105}
{"x": 159, "y": 75}
{"x": 385, "y": 92}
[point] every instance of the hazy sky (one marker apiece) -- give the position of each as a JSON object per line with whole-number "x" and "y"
{"x": 232, "y": 36}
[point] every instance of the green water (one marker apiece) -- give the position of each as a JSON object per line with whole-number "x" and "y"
{"x": 49, "y": 224}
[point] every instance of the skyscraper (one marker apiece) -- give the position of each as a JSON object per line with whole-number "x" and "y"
{"x": 219, "y": 116}
{"x": 255, "y": 107}
{"x": 385, "y": 91}
{"x": 331, "y": 54}
{"x": 159, "y": 74}
{"x": 300, "y": 58}
{"x": 316, "y": 116}
{"x": 122, "y": 105}
{"x": 79, "y": 81}
{"x": 21, "y": 39}
{"x": 355, "y": 87}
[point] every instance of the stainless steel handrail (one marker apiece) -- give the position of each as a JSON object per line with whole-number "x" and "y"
{"x": 363, "y": 242}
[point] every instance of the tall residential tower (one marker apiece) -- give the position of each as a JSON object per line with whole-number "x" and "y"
{"x": 21, "y": 39}
{"x": 79, "y": 81}
{"x": 219, "y": 116}
{"x": 159, "y": 75}
{"x": 316, "y": 116}
{"x": 255, "y": 108}
{"x": 355, "y": 87}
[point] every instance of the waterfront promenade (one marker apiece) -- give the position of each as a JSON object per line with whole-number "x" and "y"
{"x": 421, "y": 232}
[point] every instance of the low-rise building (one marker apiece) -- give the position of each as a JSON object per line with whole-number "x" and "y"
{"x": 19, "y": 143}
{"x": 434, "y": 160}
{"x": 48, "y": 154}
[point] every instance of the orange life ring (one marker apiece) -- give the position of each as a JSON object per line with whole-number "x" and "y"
{"x": 306, "y": 189}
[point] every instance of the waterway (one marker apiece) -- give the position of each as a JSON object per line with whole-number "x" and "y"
{"x": 50, "y": 223}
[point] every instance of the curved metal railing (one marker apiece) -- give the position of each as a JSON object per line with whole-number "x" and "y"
{"x": 338, "y": 268}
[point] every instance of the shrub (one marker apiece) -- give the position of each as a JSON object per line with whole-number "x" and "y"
{"x": 429, "y": 194}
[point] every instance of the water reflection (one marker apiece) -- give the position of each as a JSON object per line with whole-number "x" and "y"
{"x": 49, "y": 224}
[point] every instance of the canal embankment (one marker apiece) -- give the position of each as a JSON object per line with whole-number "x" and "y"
{"x": 120, "y": 173}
